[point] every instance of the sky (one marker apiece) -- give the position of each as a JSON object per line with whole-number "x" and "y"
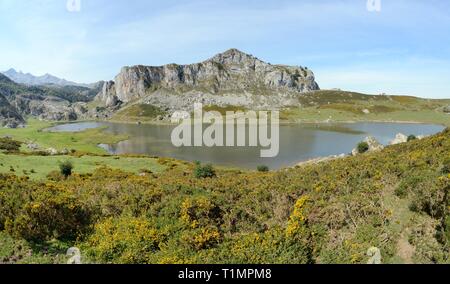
{"x": 402, "y": 49}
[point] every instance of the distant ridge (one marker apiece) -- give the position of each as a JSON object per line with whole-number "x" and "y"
{"x": 32, "y": 80}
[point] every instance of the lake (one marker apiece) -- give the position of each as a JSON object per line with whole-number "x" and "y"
{"x": 298, "y": 142}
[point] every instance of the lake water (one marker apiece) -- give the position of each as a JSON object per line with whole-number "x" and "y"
{"x": 298, "y": 142}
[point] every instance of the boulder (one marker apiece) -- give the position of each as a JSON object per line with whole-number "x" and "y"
{"x": 52, "y": 151}
{"x": 374, "y": 145}
{"x": 33, "y": 146}
{"x": 399, "y": 138}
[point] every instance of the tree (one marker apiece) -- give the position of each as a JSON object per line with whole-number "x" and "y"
{"x": 263, "y": 168}
{"x": 411, "y": 138}
{"x": 363, "y": 147}
{"x": 66, "y": 168}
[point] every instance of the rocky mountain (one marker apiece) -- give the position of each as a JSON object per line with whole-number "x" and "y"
{"x": 31, "y": 80}
{"x": 9, "y": 116}
{"x": 229, "y": 78}
{"x": 18, "y": 101}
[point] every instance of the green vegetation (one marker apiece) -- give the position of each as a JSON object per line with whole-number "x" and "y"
{"x": 334, "y": 105}
{"x": 262, "y": 168}
{"x": 411, "y": 138}
{"x": 66, "y": 168}
{"x": 9, "y": 145}
{"x": 38, "y": 167}
{"x": 138, "y": 112}
{"x": 85, "y": 141}
{"x": 206, "y": 171}
{"x": 331, "y": 212}
{"x": 362, "y": 147}
{"x": 224, "y": 110}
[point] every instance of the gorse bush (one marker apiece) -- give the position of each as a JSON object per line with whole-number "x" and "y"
{"x": 124, "y": 240}
{"x": 10, "y": 145}
{"x": 446, "y": 166}
{"x": 55, "y": 176}
{"x": 40, "y": 213}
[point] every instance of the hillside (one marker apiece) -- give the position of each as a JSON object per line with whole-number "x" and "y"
{"x": 236, "y": 80}
{"x": 323, "y": 106}
{"x": 43, "y": 102}
{"x": 396, "y": 200}
{"x": 338, "y": 105}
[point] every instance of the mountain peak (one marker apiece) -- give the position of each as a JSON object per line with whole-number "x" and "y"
{"x": 235, "y": 56}
{"x": 234, "y": 51}
{"x": 11, "y": 70}
{"x": 32, "y": 80}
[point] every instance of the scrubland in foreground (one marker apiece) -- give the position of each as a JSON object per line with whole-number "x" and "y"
{"x": 396, "y": 200}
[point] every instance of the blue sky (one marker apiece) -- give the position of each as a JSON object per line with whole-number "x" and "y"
{"x": 403, "y": 49}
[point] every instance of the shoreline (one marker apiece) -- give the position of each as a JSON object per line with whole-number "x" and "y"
{"x": 321, "y": 122}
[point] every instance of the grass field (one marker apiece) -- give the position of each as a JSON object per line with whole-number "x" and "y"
{"x": 333, "y": 105}
{"x": 334, "y": 115}
{"x": 37, "y": 167}
{"x": 138, "y": 112}
{"x": 85, "y": 141}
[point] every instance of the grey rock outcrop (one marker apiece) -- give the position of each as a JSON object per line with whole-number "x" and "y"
{"x": 399, "y": 138}
{"x": 228, "y": 74}
{"x": 374, "y": 145}
{"x": 18, "y": 101}
{"x": 108, "y": 96}
{"x": 9, "y": 115}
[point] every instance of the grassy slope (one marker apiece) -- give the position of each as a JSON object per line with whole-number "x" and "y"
{"x": 137, "y": 112}
{"x": 42, "y": 165}
{"x": 348, "y": 106}
{"x": 85, "y": 141}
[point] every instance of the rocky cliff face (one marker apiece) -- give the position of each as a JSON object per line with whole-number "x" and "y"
{"x": 17, "y": 101}
{"x": 232, "y": 74}
{"x": 9, "y": 117}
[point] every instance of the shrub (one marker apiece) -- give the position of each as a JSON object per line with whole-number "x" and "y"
{"x": 66, "y": 168}
{"x": 263, "y": 168}
{"x": 411, "y": 138}
{"x": 9, "y": 144}
{"x": 446, "y": 166}
{"x": 202, "y": 238}
{"x": 362, "y": 147}
{"x": 48, "y": 213}
{"x": 55, "y": 176}
{"x": 408, "y": 184}
{"x": 199, "y": 211}
{"x": 124, "y": 240}
{"x": 206, "y": 171}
